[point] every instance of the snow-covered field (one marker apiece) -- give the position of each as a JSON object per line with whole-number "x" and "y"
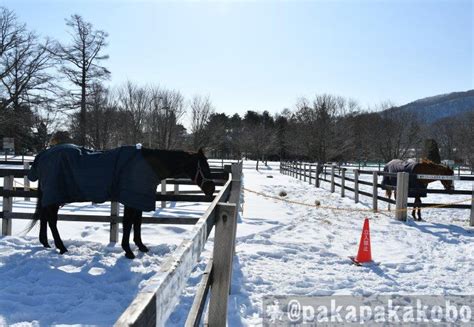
{"x": 288, "y": 249}
{"x": 282, "y": 249}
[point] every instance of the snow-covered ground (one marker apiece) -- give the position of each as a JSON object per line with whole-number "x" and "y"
{"x": 282, "y": 249}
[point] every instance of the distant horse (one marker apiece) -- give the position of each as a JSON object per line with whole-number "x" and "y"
{"x": 129, "y": 175}
{"x": 417, "y": 186}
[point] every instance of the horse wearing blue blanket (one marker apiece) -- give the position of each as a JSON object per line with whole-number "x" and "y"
{"x": 130, "y": 175}
{"x": 417, "y": 187}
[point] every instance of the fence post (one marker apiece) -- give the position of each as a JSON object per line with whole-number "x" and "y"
{"x": 163, "y": 192}
{"x": 114, "y": 225}
{"x": 356, "y": 185}
{"x": 300, "y": 171}
{"x": 333, "y": 187}
{"x": 316, "y": 181}
{"x": 26, "y": 181}
{"x": 472, "y": 207}
{"x": 310, "y": 172}
{"x": 176, "y": 189}
{"x": 222, "y": 263}
{"x": 402, "y": 196}
{"x": 304, "y": 172}
{"x": 375, "y": 193}
{"x": 343, "y": 182}
{"x": 7, "y": 206}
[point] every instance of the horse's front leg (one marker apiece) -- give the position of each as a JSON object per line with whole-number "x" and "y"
{"x": 53, "y": 225}
{"x": 127, "y": 227}
{"x": 388, "y": 194}
{"x": 418, "y": 205}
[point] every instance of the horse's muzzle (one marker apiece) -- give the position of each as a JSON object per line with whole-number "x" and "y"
{"x": 208, "y": 187}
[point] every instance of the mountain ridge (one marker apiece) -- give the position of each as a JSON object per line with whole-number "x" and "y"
{"x": 437, "y": 107}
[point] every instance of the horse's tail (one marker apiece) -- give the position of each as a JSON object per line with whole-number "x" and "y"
{"x": 37, "y": 214}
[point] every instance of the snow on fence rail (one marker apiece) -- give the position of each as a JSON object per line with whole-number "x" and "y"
{"x": 155, "y": 302}
{"x": 327, "y": 173}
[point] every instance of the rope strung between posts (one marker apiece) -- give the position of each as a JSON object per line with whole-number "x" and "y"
{"x": 350, "y": 209}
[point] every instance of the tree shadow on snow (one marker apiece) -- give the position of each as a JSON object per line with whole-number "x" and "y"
{"x": 445, "y": 232}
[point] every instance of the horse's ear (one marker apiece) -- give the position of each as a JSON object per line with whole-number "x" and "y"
{"x": 201, "y": 151}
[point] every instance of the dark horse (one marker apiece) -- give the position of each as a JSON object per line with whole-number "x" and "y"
{"x": 417, "y": 187}
{"x": 67, "y": 173}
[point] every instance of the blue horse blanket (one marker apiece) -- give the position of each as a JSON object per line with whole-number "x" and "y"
{"x": 69, "y": 173}
{"x": 415, "y": 188}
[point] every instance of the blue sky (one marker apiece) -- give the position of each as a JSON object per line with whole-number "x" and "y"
{"x": 265, "y": 55}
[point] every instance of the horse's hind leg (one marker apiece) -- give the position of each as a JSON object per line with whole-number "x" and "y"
{"x": 127, "y": 227}
{"x": 137, "y": 232}
{"x": 53, "y": 225}
{"x": 43, "y": 234}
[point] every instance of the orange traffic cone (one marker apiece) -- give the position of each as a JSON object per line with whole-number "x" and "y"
{"x": 364, "y": 255}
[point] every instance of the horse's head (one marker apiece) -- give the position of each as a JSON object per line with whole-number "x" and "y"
{"x": 448, "y": 184}
{"x": 437, "y": 169}
{"x": 201, "y": 173}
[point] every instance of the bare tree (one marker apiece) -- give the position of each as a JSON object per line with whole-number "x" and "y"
{"x": 25, "y": 82}
{"x": 394, "y": 133}
{"x": 28, "y": 80}
{"x": 10, "y": 34}
{"x": 201, "y": 111}
{"x": 134, "y": 101}
{"x": 166, "y": 113}
{"x": 80, "y": 63}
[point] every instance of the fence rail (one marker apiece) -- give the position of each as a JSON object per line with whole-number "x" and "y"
{"x": 331, "y": 173}
{"x": 155, "y": 302}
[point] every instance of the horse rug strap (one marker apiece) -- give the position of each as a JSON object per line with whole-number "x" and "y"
{"x": 416, "y": 187}
{"x": 69, "y": 173}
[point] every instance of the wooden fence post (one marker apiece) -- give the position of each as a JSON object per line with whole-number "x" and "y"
{"x": 114, "y": 225}
{"x": 402, "y": 196}
{"x": 235, "y": 199}
{"x": 26, "y": 181}
{"x": 163, "y": 191}
{"x": 222, "y": 260}
{"x": 472, "y": 207}
{"x": 304, "y": 172}
{"x": 333, "y": 187}
{"x": 343, "y": 182}
{"x": 375, "y": 193}
{"x": 300, "y": 170}
{"x": 176, "y": 189}
{"x": 310, "y": 173}
{"x": 356, "y": 185}
{"x": 7, "y": 206}
{"x": 316, "y": 180}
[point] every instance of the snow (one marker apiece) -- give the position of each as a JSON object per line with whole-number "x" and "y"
{"x": 282, "y": 248}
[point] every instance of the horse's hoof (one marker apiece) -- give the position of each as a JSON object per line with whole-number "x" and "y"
{"x": 143, "y": 248}
{"x": 62, "y": 251}
{"x": 130, "y": 255}
{"x": 46, "y": 245}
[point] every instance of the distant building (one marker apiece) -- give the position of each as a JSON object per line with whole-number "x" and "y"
{"x": 8, "y": 145}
